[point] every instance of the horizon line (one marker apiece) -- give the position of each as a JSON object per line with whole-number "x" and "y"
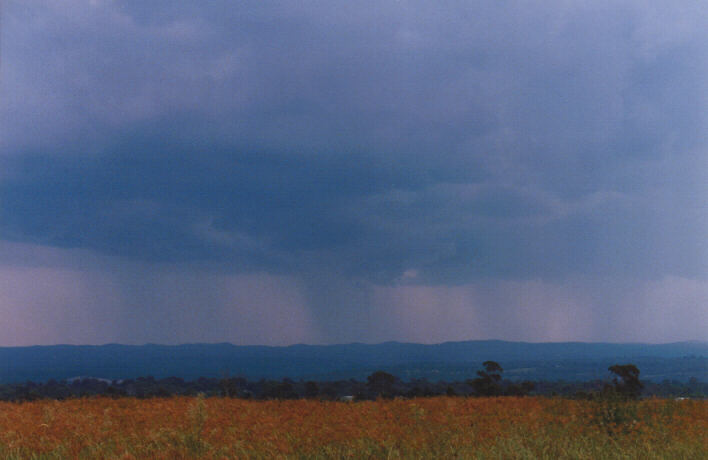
{"x": 575, "y": 342}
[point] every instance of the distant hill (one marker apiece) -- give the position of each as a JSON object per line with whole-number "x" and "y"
{"x": 445, "y": 361}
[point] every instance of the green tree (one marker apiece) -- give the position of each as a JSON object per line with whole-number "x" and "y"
{"x": 626, "y": 381}
{"x": 381, "y": 383}
{"x": 488, "y": 382}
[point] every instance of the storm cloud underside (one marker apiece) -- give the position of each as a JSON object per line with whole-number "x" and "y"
{"x": 335, "y": 171}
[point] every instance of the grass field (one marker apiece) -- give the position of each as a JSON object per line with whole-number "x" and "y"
{"x": 442, "y": 427}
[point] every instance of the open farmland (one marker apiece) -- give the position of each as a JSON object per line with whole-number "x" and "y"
{"x": 441, "y": 427}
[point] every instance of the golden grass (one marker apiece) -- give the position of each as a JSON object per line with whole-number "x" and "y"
{"x": 441, "y": 427}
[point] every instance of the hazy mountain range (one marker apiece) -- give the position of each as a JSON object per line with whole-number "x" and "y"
{"x": 445, "y": 361}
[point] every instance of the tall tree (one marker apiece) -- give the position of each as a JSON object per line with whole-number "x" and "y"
{"x": 626, "y": 381}
{"x": 488, "y": 382}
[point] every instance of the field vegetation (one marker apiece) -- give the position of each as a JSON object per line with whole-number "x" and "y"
{"x": 437, "y": 427}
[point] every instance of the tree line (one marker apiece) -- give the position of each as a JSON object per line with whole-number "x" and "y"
{"x": 624, "y": 382}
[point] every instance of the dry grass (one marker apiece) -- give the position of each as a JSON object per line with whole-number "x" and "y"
{"x": 440, "y": 427}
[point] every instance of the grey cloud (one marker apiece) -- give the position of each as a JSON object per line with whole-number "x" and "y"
{"x": 461, "y": 140}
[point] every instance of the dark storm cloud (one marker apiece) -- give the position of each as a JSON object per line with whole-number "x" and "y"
{"x": 160, "y": 202}
{"x": 459, "y": 140}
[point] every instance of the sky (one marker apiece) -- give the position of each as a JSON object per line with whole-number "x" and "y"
{"x": 264, "y": 172}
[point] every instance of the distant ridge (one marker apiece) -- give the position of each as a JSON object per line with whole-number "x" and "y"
{"x": 548, "y": 360}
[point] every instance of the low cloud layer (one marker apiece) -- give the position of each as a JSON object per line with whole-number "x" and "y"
{"x": 340, "y": 171}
